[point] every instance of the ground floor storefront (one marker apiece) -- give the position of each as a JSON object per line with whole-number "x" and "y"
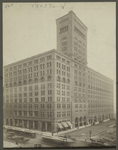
{"x": 54, "y": 125}
{"x": 89, "y": 120}
{"x": 30, "y": 124}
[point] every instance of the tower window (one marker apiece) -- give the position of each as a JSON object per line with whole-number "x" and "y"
{"x": 64, "y": 29}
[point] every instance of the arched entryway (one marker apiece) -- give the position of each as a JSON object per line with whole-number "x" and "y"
{"x": 11, "y": 122}
{"x": 80, "y": 121}
{"x": 20, "y": 123}
{"x": 25, "y": 124}
{"x": 36, "y": 125}
{"x": 30, "y": 124}
{"x": 76, "y": 122}
{"x": 7, "y": 122}
{"x": 95, "y": 119}
{"x": 89, "y": 121}
{"x": 84, "y": 120}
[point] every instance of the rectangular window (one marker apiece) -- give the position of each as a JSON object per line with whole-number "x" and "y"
{"x": 25, "y": 88}
{"x": 25, "y": 94}
{"x": 63, "y": 99}
{"x": 42, "y": 86}
{"x": 30, "y": 99}
{"x": 64, "y": 114}
{"x": 25, "y": 100}
{"x": 64, "y": 106}
{"x": 30, "y": 113}
{"x": 30, "y": 94}
{"x": 58, "y": 99}
{"x": 36, "y": 113}
{"x": 68, "y": 106}
{"x": 25, "y": 113}
{"x": 58, "y": 106}
{"x": 30, "y": 88}
{"x": 68, "y": 113}
{"x": 36, "y": 61}
{"x": 36, "y": 87}
{"x": 36, "y": 99}
{"x": 49, "y": 85}
{"x": 36, "y": 93}
{"x": 42, "y": 99}
{"x": 42, "y": 59}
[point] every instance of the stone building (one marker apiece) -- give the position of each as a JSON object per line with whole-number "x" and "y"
{"x": 56, "y": 90}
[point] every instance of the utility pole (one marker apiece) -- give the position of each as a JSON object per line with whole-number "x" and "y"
{"x": 90, "y": 132}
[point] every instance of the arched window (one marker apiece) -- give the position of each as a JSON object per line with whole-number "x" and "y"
{"x": 24, "y": 82}
{"x": 30, "y": 81}
{"x": 19, "y": 83}
{"x": 36, "y": 80}
{"x": 63, "y": 80}
{"x": 11, "y": 122}
{"x": 7, "y": 122}
{"x": 68, "y": 81}
{"x": 10, "y": 84}
{"x": 42, "y": 79}
{"x": 76, "y": 120}
{"x": 95, "y": 118}
{"x": 49, "y": 78}
{"x": 84, "y": 118}
{"x": 58, "y": 78}
{"x": 80, "y": 119}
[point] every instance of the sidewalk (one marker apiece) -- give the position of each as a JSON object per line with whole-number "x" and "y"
{"x": 7, "y": 144}
{"x": 56, "y": 134}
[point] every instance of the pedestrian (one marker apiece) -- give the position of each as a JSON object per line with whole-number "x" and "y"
{"x": 57, "y": 131}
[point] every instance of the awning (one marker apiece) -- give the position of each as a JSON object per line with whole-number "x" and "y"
{"x": 69, "y": 123}
{"x": 65, "y": 124}
{"x": 60, "y": 126}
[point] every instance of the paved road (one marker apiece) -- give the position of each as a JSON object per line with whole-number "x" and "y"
{"x": 96, "y": 129}
{"x": 79, "y": 135}
{"x": 7, "y": 144}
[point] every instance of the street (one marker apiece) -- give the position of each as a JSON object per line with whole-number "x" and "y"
{"x": 83, "y": 134}
{"x": 7, "y": 144}
{"x": 80, "y": 137}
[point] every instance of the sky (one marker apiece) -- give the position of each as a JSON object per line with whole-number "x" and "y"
{"x": 30, "y": 29}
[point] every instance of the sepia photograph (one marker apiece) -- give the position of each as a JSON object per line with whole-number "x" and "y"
{"x": 59, "y": 74}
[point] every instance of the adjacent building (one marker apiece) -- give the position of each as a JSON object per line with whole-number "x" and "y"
{"x": 56, "y": 90}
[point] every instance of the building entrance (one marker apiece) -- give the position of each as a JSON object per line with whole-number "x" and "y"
{"x": 36, "y": 125}
{"x": 43, "y": 126}
{"x": 48, "y": 126}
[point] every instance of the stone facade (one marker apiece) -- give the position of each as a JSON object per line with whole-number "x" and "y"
{"x": 57, "y": 86}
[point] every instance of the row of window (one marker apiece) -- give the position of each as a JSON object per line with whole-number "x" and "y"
{"x": 33, "y": 114}
{"x": 59, "y": 106}
{"x": 63, "y": 86}
{"x": 30, "y": 106}
{"x": 25, "y": 100}
{"x": 63, "y": 73}
{"x": 63, "y": 67}
{"x": 29, "y": 63}
{"x": 29, "y": 75}
{"x": 62, "y": 60}
{"x": 64, "y": 29}
{"x": 80, "y": 106}
{"x": 49, "y": 92}
{"x": 63, "y": 114}
{"x": 36, "y": 87}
